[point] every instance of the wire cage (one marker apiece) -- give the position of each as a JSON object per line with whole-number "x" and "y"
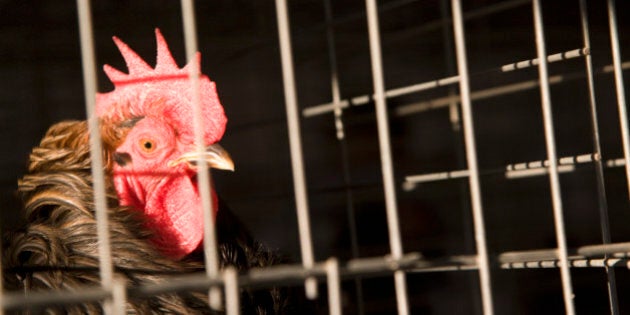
{"x": 411, "y": 157}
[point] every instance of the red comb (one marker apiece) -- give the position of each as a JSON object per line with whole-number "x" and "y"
{"x": 163, "y": 91}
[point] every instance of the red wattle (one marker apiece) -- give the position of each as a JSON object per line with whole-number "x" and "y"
{"x": 174, "y": 214}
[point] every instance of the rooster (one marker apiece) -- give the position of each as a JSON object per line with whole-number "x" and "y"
{"x": 155, "y": 215}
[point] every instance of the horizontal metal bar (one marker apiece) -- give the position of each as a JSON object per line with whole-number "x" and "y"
{"x": 616, "y": 162}
{"x": 567, "y": 160}
{"x": 528, "y": 255}
{"x": 616, "y": 250}
{"x": 447, "y": 264}
{"x": 517, "y": 170}
{"x": 536, "y": 168}
{"x": 580, "y": 52}
{"x": 584, "y": 256}
{"x": 443, "y": 102}
{"x": 605, "y": 249}
{"x": 445, "y": 268}
{"x": 359, "y": 267}
{"x": 414, "y": 88}
{"x": 574, "y": 263}
{"x": 414, "y": 179}
{"x": 537, "y": 171}
{"x": 612, "y": 255}
{"x": 257, "y": 277}
{"x": 13, "y": 301}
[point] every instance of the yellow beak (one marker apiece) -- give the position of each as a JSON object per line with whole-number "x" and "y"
{"x": 215, "y": 155}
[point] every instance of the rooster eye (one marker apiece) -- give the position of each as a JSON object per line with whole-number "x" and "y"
{"x": 147, "y": 145}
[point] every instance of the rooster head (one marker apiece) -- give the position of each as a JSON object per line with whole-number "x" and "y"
{"x": 154, "y": 169}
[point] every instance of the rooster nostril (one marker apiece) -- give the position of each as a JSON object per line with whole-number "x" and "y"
{"x": 122, "y": 158}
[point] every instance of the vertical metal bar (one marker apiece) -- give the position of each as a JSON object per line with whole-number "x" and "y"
{"x": 299, "y": 181}
{"x": 334, "y": 286}
{"x": 119, "y": 297}
{"x": 621, "y": 95}
{"x": 471, "y": 156}
{"x": 230, "y": 280}
{"x": 456, "y": 125}
{"x": 554, "y": 180}
{"x": 90, "y": 84}
{"x": 339, "y": 126}
{"x": 209, "y": 235}
{"x": 395, "y": 242}
{"x": 599, "y": 169}
{"x": 454, "y": 115}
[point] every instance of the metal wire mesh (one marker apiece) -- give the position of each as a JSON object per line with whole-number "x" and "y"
{"x": 482, "y": 256}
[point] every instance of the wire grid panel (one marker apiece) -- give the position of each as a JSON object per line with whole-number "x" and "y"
{"x": 529, "y": 173}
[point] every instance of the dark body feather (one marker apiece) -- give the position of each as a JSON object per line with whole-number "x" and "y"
{"x": 57, "y": 246}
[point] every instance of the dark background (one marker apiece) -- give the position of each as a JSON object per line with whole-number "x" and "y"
{"x": 40, "y": 71}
